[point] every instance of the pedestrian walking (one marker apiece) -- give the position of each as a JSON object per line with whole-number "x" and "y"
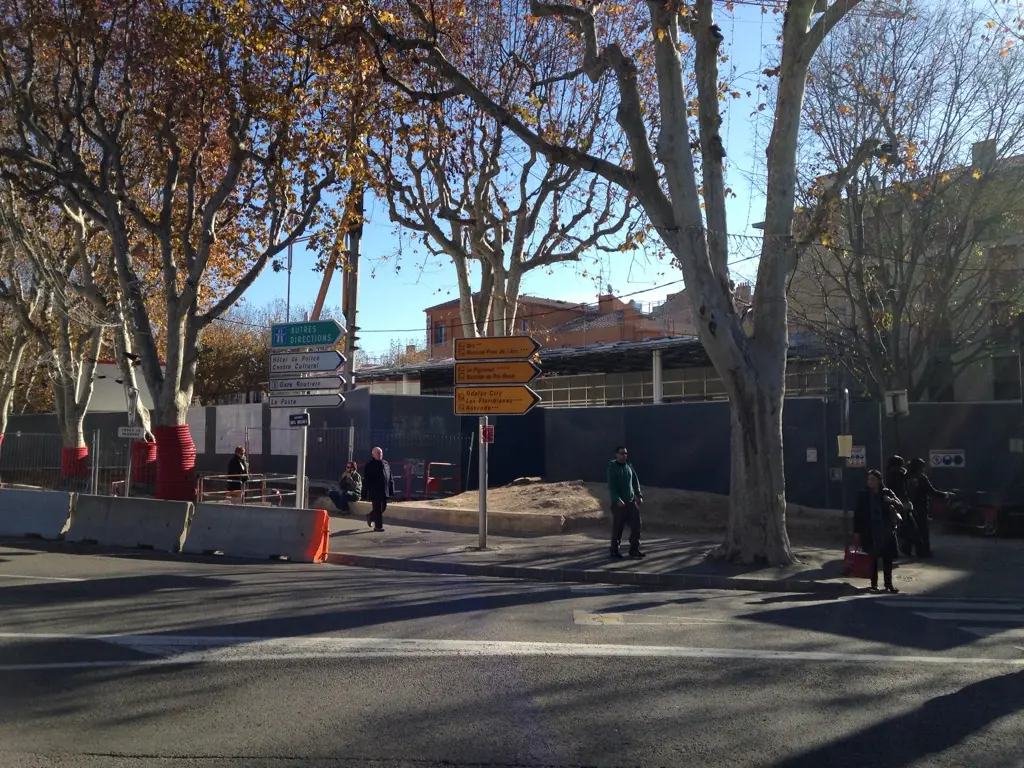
{"x": 921, "y": 491}
{"x": 350, "y": 488}
{"x": 238, "y": 472}
{"x": 378, "y": 487}
{"x": 874, "y": 521}
{"x": 626, "y": 496}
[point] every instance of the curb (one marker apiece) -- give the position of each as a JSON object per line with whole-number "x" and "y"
{"x": 578, "y": 576}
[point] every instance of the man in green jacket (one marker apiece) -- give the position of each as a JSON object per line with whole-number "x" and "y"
{"x": 626, "y": 496}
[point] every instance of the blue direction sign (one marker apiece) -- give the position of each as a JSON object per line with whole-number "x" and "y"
{"x": 315, "y": 333}
{"x": 298, "y": 420}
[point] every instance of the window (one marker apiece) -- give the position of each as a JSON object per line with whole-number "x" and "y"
{"x": 1006, "y": 378}
{"x": 523, "y": 324}
{"x": 439, "y": 337}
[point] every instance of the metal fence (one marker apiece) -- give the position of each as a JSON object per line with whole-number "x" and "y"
{"x": 37, "y": 460}
{"x": 424, "y": 464}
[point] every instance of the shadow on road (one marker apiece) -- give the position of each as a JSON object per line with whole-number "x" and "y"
{"x": 95, "y": 590}
{"x": 910, "y": 738}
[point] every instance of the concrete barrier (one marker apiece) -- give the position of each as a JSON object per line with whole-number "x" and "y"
{"x": 300, "y": 535}
{"x": 133, "y": 523}
{"x": 42, "y": 514}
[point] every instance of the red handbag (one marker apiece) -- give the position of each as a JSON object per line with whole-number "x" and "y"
{"x": 857, "y": 564}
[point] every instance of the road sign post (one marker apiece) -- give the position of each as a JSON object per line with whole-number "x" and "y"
{"x": 291, "y": 388}
{"x": 131, "y": 395}
{"x": 482, "y": 516}
{"x": 491, "y": 375}
{"x": 300, "y": 479}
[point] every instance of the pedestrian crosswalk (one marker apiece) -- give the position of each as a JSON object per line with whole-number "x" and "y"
{"x": 982, "y": 618}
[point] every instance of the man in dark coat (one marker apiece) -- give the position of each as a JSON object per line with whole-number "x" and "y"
{"x": 625, "y": 494}
{"x": 874, "y": 521}
{"x": 378, "y": 487}
{"x": 921, "y": 491}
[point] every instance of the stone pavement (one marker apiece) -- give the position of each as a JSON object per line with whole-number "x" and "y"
{"x": 964, "y": 566}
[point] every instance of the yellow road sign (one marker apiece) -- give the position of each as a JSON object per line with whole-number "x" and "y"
{"x": 496, "y": 348}
{"x": 494, "y": 401}
{"x": 503, "y": 372}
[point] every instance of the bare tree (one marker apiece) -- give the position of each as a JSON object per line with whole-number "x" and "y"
{"x": 41, "y": 252}
{"x": 472, "y": 191}
{"x": 661, "y": 170}
{"x": 921, "y": 256}
{"x": 14, "y": 341}
{"x": 203, "y": 141}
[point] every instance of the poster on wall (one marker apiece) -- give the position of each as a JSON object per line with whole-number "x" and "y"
{"x": 951, "y": 458}
{"x": 858, "y": 457}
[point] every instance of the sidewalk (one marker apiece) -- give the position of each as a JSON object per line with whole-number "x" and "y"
{"x": 964, "y": 566}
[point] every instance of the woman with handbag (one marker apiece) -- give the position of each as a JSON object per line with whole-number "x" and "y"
{"x": 875, "y": 520}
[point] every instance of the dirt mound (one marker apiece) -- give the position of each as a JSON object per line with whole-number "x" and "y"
{"x": 662, "y": 508}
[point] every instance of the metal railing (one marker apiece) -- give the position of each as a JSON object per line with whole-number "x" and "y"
{"x": 256, "y": 489}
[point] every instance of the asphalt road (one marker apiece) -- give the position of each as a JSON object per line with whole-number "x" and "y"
{"x": 119, "y": 661}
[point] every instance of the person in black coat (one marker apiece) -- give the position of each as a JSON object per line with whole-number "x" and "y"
{"x": 378, "y": 487}
{"x": 238, "y": 468}
{"x": 896, "y": 483}
{"x": 874, "y": 521}
{"x": 921, "y": 491}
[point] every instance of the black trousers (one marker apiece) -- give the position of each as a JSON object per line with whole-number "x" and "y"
{"x": 377, "y": 512}
{"x": 924, "y": 537}
{"x": 627, "y": 514}
{"x": 886, "y": 570}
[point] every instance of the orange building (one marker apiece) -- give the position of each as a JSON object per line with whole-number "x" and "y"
{"x": 556, "y": 323}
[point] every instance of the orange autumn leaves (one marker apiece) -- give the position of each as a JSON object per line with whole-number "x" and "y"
{"x": 213, "y": 124}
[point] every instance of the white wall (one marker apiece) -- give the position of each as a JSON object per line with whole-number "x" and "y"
{"x": 108, "y": 395}
{"x": 284, "y": 440}
{"x": 232, "y": 421}
{"x": 196, "y": 420}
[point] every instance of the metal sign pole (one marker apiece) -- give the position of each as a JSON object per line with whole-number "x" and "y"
{"x": 300, "y": 480}
{"x": 132, "y": 396}
{"x": 482, "y": 543}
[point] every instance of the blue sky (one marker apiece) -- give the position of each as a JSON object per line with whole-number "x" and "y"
{"x": 391, "y": 304}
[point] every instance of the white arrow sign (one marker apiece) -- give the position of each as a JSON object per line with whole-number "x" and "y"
{"x": 307, "y": 384}
{"x": 305, "y": 362}
{"x": 332, "y": 400}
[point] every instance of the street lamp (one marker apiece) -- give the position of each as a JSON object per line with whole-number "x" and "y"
{"x": 288, "y": 300}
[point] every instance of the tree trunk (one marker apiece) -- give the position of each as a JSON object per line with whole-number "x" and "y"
{"x": 9, "y": 376}
{"x": 176, "y": 452}
{"x": 123, "y": 348}
{"x": 757, "y": 500}
{"x": 466, "y": 308}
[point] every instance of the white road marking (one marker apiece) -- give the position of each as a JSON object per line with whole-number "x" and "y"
{"x": 35, "y": 578}
{"x": 207, "y": 650}
{"x": 588, "y": 618}
{"x": 956, "y": 605}
{"x": 1004, "y": 632}
{"x": 1002, "y": 618}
